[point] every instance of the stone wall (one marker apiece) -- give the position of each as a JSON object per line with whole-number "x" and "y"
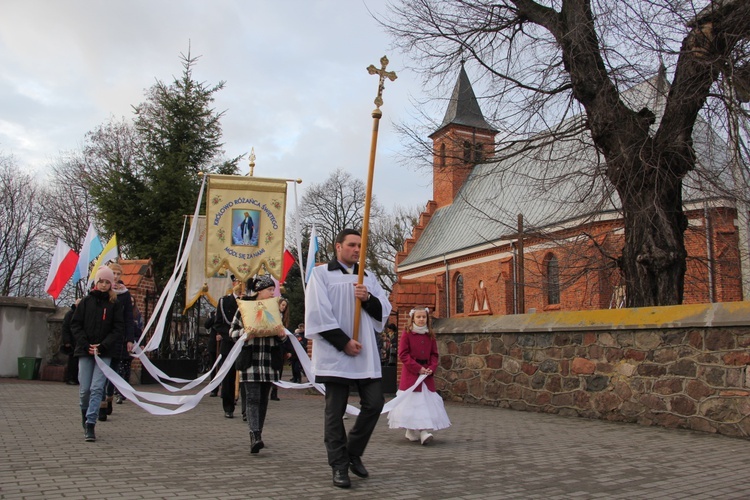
{"x": 676, "y": 367}
{"x": 25, "y": 331}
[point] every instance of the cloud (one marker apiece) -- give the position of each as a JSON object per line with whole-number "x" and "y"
{"x": 297, "y": 89}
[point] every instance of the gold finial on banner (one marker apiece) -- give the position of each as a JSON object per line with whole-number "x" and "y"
{"x": 391, "y": 75}
{"x": 252, "y": 161}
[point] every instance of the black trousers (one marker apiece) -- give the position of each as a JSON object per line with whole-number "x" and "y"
{"x": 71, "y": 369}
{"x": 274, "y": 387}
{"x": 339, "y": 446}
{"x": 256, "y": 403}
{"x": 227, "y": 385}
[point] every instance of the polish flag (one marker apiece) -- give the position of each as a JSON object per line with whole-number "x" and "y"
{"x": 63, "y": 265}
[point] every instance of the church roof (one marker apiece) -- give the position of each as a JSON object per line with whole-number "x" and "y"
{"x": 133, "y": 272}
{"x": 570, "y": 187}
{"x": 463, "y": 108}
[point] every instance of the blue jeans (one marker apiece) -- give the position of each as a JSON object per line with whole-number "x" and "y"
{"x": 91, "y": 390}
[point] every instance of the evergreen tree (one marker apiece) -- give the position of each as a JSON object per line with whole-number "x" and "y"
{"x": 146, "y": 177}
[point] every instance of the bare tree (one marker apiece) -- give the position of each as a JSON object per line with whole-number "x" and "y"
{"x": 548, "y": 62}
{"x": 24, "y": 250}
{"x": 387, "y": 236}
{"x": 70, "y": 206}
{"x": 336, "y": 204}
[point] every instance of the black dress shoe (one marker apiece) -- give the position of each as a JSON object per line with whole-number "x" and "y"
{"x": 228, "y": 414}
{"x": 275, "y": 398}
{"x": 71, "y": 382}
{"x": 356, "y": 466}
{"x": 212, "y": 395}
{"x": 341, "y": 478}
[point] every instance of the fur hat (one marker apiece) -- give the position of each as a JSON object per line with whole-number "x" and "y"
{"x": 104, "y": 273}
{"x": 258, "y": 283}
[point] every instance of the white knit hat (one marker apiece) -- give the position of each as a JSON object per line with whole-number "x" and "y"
{"x": 104, "y": 273}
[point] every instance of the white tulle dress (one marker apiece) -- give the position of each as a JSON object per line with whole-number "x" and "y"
{"x": 420, "y": 410}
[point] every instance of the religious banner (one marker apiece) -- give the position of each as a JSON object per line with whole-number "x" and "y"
{"x": 245, "y": 225}
{"x": 197, "y": 283}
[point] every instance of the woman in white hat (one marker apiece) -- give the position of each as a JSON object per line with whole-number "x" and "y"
{"x": 97, "y": 326}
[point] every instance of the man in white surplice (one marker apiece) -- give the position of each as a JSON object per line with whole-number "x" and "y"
{"x": 338, "y": 360}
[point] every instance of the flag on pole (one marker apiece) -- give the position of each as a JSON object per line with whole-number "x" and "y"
{"x": 92, "y": 247}
{"x": 311, "y": 252}
{"x": 63, "y": 264}
{"x": 110, "y": 252}
{"x": 287, "y": 265}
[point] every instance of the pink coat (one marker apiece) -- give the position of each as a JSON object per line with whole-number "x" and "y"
{"x": 414, "y": 346}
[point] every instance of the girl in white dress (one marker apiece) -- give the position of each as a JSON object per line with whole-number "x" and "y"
{"x": 422, "y": 410}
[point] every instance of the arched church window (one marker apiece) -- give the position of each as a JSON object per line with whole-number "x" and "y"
{"x": 552, "y": 279}
{"x": 468, "y": 152}
{"x": 478, "y": 153}
{"x": 459, "y": 294}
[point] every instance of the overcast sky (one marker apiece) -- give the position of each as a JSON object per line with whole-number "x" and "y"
{"x": 297, "y": 89}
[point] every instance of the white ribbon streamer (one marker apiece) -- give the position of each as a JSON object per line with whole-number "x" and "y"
{"x": 307, "y": 367}
{"x": 186, "y": 403}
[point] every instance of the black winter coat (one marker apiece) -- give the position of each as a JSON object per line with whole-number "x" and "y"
{"x": 97, "y": 321}
{"x": 120, "y": 351}
{"x": 67, "y": 335}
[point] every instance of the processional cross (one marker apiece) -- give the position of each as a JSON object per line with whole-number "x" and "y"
{"x": 376, "y": 114}
{"x": 391, "y": 75}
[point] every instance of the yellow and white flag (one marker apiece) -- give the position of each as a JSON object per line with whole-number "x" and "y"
{"x": 245, "y": 225}
{"x": 110, "y": 252}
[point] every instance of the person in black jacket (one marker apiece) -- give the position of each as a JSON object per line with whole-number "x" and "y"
{"x": 121, "y": 358}
{"x": 225, "y": 310}
{"x": 288, "y": 349}
{"x": 68, "y": 345}
{"x": 98, "y": 325}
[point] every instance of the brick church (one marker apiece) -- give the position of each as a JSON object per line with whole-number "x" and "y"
{"x": 517, "y": 234}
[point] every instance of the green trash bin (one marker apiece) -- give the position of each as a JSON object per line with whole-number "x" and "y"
{"x": 28, "y": 368}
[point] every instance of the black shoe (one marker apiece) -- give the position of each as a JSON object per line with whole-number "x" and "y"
{"x": 244, "y": 417}
{"x": 256, "y": 442}
{"x": 275, "y": 398}
{"x": 228, "y": 414}
{"x": 356, "y": 466}
{"x": 341, "y": 478}
{"x": 109, "y": 405}
{"x": 102, "y": 414}
{"x": 212, "y": 395}
{"x": 89, "y": 436}
{"x": 71, "y": 382}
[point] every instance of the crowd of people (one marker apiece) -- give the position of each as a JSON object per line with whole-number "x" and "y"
{"x": 106, "y": 323}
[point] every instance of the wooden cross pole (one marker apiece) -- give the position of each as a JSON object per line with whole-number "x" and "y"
{"x": 376, "y": 115}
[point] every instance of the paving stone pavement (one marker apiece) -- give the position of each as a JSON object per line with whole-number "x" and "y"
{"x": 488, "y": 453}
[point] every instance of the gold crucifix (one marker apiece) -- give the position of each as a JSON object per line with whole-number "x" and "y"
{"x": 391, "y": 75}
